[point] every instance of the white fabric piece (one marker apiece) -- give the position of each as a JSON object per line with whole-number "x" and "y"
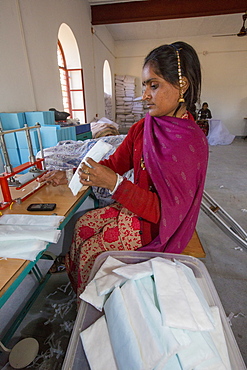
{"x": 199, "y": 351}
{"x": 201, "y": 307}
{"x": 135, "y": 271}
{"x": 152, "y": 348}
{"x": 107, "y": 283}
{"x": 180, "y": 316}
{"x": 147, "y": 295}
{"x": 94, "y": 339}
{"x": 23, "y": 249}
{"x": 214, "y": 362}
{"x": 218, "y": 133}
{"x": 96, "y": 153}
{"x": 90, "y": 293}
{"x": 125, "y": 346}
{"x": 172, "y": 364}
{"x": 11, "y": 232}
{"x": 181, "y": 336}
{"x": 218, "y": 338}
{"x": 40, "y": 220}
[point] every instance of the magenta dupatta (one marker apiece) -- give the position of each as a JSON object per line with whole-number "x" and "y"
{"x": 175, "y": 152}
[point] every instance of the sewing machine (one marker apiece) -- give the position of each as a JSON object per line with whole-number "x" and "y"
{"x": 13, "y": 177}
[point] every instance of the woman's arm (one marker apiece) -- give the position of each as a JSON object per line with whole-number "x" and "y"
{"x": 144, "y": 203}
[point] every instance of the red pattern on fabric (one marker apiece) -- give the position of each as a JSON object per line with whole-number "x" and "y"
{"x": 111, "y": 235}
{"x": 85, "y": 232}
{"x": 109, "y": 213}
{"x": 135, "y": 223}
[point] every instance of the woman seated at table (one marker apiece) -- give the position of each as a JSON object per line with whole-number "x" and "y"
{"x": 169, "y": 154}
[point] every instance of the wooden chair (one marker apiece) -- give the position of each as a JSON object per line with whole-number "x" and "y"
{"x": 194, "y": 247}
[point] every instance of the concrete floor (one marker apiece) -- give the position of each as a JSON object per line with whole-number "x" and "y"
{"x": 227, "y": 264}
{"x": 225, "y": 261}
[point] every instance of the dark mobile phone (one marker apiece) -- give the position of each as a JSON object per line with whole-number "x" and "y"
{"x": 41, "y": 207}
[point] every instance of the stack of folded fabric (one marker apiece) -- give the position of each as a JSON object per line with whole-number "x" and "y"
{"x": 125, "y": 93}
{"x": 25, "y": 236}
{"x": 108, "y": 105}
{"x": 104, "y": 127}
{"x": 139, "y": 110}
{"x": 155, "y": 317}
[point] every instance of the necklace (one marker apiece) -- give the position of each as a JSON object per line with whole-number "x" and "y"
{"x": 143, "y": 167}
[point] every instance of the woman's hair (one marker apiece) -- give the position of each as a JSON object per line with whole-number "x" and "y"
{"x": 164, "y": 62}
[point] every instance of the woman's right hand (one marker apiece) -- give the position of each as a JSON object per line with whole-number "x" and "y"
{"x": 54, "y": 178}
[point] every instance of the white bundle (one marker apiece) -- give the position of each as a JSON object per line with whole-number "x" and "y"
{"x": 96, "y": 153}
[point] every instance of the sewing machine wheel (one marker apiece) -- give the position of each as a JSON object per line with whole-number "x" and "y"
{"x": 23, "y": 353}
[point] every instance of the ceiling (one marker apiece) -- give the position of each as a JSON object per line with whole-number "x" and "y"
{"x": 177, "y": 27}
{"x": 98, "y": 2}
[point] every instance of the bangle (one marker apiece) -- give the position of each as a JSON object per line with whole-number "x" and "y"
{"x": 119, "y": 180}
{"x": 69, "y": 174}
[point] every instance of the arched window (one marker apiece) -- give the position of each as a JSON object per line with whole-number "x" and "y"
{"x": 107, "y": 89}
{"x": 71, "y": 74}
{"x": 64, "y": 79}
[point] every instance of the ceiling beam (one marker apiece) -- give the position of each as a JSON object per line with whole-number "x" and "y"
{"x": 150, "y": 10}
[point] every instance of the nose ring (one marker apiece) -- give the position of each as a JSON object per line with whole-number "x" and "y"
{"x": 146, "y": 96}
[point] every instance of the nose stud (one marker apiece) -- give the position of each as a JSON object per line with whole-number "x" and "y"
{"x": 146, "y": 96}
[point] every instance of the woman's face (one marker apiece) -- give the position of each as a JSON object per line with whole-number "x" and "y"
{"x": 161, "y": 97}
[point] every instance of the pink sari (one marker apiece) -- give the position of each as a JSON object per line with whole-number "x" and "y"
{"x": 175, "y": 153}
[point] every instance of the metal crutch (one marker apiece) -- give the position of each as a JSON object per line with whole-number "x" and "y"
{"x": 222, "y": 219}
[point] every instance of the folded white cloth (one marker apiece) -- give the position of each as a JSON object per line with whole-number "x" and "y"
{"x": 155, "y": 341}
{"x": 193, "y": 291}
{"x": 94, "y": 339}
{"x": 147, "y": 294}
{"x": 172, "y": 364}
{"x": 40, "y": 220}
{"x": 107, "y": 283}
{"x": 218, "y": 338}
{"x": 135, "y": 271}
{"x": 23, "y": 249}
{"x": 96, "y": 153}
{"x": 11, "y": 232}
{"x": 90, "y": 293}
{"x": 171, "y": 283}
{"x": 200, "y": 350}
{"x": 125, "y": 346}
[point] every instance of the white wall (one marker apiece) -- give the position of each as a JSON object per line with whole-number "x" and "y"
{"x": 224, "y": 70}
{"x": 28, "y": 69}
{"x": 104, "y": 49}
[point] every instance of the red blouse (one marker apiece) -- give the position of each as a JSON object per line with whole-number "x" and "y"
{"x": 139, "y": 197}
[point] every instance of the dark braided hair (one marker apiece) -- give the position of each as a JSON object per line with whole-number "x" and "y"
{"x": 164, "y": 62}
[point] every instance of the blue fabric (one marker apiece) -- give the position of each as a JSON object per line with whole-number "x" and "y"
{"x": 125, "y": 346}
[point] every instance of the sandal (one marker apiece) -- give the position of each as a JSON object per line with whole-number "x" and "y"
{"x": 58, "y": 265}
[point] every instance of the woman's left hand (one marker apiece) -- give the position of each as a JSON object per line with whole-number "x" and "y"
{"x": 98, "y": 175}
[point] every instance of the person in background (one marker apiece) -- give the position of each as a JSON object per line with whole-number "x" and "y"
{"x": 169, "y": 154}
{"x": 204, "y": 112}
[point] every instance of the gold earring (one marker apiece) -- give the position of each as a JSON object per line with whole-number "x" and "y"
{"x": 180, "y": 80}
